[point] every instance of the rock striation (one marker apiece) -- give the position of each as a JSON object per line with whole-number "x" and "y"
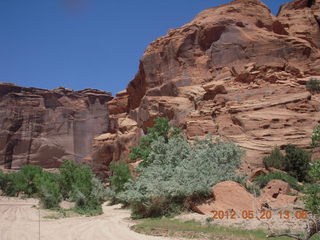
{"x": 46, "y": 127}
{"x": 235, "y": 71}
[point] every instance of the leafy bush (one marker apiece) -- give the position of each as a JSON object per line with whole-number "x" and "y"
{"x": 90, "y": 203}
{"x": 2, "y": 179}
{"x": 253, "y": 188}
{"x": 13, "y": 184}
{"x": 297, "y": 162}
{"x": 179, "y": 172}
{"x": 121, "y": 175}
{"x": 276, "y": 159}
{"x": 263, "y": 180}
{"x": 315, "y": 170}
{"x": 315, "y": 137}
{"x": 75, "y": 182}
{"x": 313, "y": 85}
{"x": 48, "y": 189}
{"x": 29, "y": 173}
{"x": 79, "y": 185}
{"x": 312, "y": 198}
{"x": 161, "y": 129}
{"x": 67, "y": 178}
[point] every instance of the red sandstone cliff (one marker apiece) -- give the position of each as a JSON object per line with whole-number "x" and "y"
{"x": 235, "y": 71}
{"x": 45, "y": 127}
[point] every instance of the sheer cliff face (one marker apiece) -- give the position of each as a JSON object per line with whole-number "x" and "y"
{"x": 231, "y": 35}
{"x": 235, "y": 71}
{"x": 47, "y": 127}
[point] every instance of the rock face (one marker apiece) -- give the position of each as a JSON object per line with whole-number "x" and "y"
{"x": 45, "y": 127}
{"x": 231, "y": 195}
{"x": 235, "y": 71}
{"x": 276, "y": 194}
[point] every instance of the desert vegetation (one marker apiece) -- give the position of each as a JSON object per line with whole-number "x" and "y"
{"x": 75, "y": 183}
{"x": 173, "y": 172}
{"x": 313, "y": 85}
{"x": 295, "y": 161}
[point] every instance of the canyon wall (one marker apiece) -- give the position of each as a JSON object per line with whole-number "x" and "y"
{"x": 47, "y": 127}
{"x": 236, "y": 72}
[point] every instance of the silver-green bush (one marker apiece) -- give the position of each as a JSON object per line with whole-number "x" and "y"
{"x": 180, "y": 171}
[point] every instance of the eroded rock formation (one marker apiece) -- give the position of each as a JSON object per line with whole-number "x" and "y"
{"x": 235, "y": 71}
{"x": 45, "y": 127}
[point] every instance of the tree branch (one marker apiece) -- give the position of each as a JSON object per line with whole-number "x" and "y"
{"x": 274, "y": 235}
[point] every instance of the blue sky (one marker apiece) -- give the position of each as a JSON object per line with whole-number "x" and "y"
{"x": 86, "y": 43}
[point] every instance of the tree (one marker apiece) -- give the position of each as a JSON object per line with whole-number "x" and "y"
{"x": 120, "y": 176}
{"x": 275, "y": 159}
{"x": 161, "y": 128}
{"x": 297, "y": 162}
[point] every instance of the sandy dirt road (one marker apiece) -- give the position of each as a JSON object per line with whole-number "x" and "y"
{"x": 20, "y": 221}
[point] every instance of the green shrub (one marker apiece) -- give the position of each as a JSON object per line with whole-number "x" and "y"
{"x": 2, "y": 180}
{"x": 312, "y": 198}
{"x": 297, "y": 162}
{"x": 121, "y": 175}
{"x": 67, "y": 178}
{"x": 315, "y": 137}
{"x": 21, "y": 182}
{"x": 276, "y": 159}
{"x": 78, "y": 184}
{"x": 315, "y": 170}
{"x": 161, "y": 129}
{"x": 28, "y": 175}
{"x": 13, "y": 184}
{"x": 263, "y": 180}
{"x": 252, "y": 188}
{"x": 48, "y": 189}
{"x": 312, "y": 191}
{"x": 75, "y": 182}
{"x": 179, "y": 172}
{"x": 313, "y": 85}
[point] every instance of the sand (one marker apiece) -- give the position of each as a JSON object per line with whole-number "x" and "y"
{"x": 19, "y": 220}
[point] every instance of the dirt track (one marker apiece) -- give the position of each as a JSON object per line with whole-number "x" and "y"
{"x": 20, "y": 221}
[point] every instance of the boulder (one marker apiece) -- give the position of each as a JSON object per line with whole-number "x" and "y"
{"x": 275, "y": 193}
{"x": 226, "y": 196}
{"x": 276, "y": 187}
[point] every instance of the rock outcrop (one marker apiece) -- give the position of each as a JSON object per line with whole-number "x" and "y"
{"x": 230, "y": 195}
{"x": 45, "y": 127}
{"x": 235, "y": 71}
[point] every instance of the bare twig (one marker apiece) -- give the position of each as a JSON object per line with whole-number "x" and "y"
{"x": 274, "y": 235}
{"x": 312, "y": 228}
